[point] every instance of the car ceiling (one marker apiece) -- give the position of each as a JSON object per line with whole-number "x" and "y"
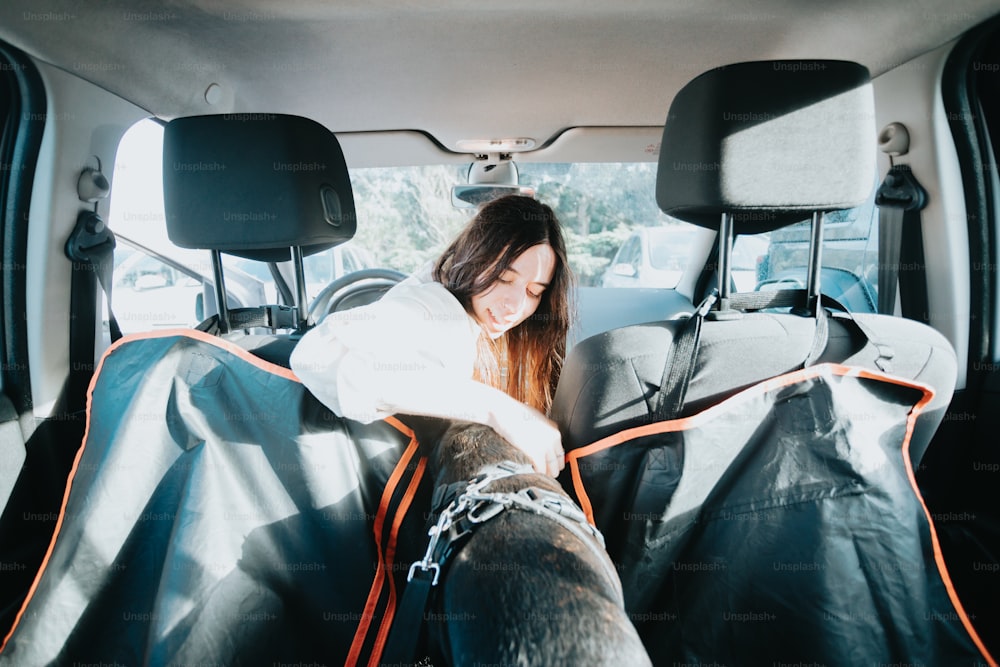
{"x": 453, "y": 69}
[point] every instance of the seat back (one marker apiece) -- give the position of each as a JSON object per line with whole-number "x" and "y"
{"x": 240, "y": 481}
{"x": 726, "y": 467}
{"x": 267, "y": 187}
{"x": 749, "y": 148}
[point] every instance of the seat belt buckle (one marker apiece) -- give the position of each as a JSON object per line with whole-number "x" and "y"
{"x": 707, "y": 303}
{"x": 281, "y": 317}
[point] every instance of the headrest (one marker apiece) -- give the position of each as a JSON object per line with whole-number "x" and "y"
{"x": 254, "y": 185}
{"x": 769, "y": 142}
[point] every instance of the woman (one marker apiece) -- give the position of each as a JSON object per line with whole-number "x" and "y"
{"x": 480, "y": 338}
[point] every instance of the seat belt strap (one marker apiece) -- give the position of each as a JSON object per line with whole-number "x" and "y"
{"x": 912, "y": 275}
{"x": 679, "y": 368}
{"x": 901, "y": 255}
{"x": 668, "y": 402}
{"x": 890, "y": 239}
{"x": 90, "y": 247}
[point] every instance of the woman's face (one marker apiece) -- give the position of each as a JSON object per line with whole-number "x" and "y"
{"x": 515, "y": 296}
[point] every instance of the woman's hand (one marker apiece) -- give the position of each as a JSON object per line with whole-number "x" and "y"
{"x": 535, "y": 435}
{"x": 443, "y": 396}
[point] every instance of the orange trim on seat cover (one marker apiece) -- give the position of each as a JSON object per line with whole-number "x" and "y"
{"x": 769, "y": 385}
{"x": 385, "y": 555}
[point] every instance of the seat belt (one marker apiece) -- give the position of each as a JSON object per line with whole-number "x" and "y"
{"x": 669, "y": 400}
{"x": 900, "y": 199}
{"x": 91, "y": 248}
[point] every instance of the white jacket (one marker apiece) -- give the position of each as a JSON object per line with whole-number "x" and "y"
{"x": 369, "y": 362}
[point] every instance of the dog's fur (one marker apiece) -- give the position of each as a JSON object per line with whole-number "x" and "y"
{"x": 524, "y": 590}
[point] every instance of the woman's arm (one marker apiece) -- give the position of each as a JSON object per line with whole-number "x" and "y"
{"x": 433, "y": 395}
{"x": 413, "y": 353}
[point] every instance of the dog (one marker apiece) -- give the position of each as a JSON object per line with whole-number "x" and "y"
{"x": 525, "y": 589}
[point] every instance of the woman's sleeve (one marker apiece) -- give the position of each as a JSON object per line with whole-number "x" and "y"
{"x": 365, "y": 363}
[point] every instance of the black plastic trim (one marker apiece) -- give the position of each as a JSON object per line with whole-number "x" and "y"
{"x": 20, "y": 141}
{"x": 960, "y": 96}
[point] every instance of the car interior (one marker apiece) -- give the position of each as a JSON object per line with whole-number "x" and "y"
{"x": 187, "y": 188}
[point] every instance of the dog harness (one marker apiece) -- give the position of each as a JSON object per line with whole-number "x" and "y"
{"x": 466, "y": 504}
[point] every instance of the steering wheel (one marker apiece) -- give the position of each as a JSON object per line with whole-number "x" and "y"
{"x": 354, "y": 289}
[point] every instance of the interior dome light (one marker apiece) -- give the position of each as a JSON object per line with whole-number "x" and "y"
{"x": 496, "y": 145}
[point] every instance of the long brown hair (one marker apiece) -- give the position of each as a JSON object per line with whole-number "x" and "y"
{"x": 525, "y": 361}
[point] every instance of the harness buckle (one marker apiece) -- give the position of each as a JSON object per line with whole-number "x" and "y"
{"x": 485, "y": 510}
{"x": 424, "y": 566}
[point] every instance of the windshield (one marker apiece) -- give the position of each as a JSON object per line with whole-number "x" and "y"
{"x": 668, "y": 248}
{"x": 616, "y": 236}
{"x": 405, "y": 219}
{"x": 405, "y": 216}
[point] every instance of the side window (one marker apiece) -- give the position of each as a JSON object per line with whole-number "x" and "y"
{"x": 149, "y": 291}
{"x": 150, "y": 294}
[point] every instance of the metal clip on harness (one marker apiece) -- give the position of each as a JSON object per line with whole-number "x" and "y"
{"x": 474, "y": 506}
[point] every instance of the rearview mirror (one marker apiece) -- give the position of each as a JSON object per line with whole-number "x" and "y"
{"x": 473, "y": 196}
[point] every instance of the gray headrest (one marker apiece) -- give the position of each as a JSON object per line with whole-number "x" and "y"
{"x": 254, "y": 185}
{"x": 769, "y": 142}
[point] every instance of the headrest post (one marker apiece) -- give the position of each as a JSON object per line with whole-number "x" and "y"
{"x": 301, "y": 298}
{"x": 815, "y": 260}
{"x": 725, "y": 254}
{"x": 220, "y": 292}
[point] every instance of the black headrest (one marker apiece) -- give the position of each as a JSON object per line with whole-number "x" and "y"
{"x": 769, "y": 142}
{"x": 254, "y": 185}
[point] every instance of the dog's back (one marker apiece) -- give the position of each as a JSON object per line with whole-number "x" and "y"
{"x": 524, "y": 589}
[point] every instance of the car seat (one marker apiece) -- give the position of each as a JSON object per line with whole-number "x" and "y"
{"x": 750, "y": 148}
{"x": 216, "y": 511}
{"x": 751, "y": 466}
{"x": 269, "y": 188}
